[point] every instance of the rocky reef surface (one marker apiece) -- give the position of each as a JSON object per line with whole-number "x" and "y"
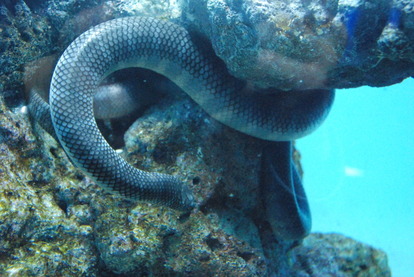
{"x": 299, "y": 44}
{"x": 55, "y": 222}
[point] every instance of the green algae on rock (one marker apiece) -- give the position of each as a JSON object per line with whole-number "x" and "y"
{"x": 53, "y": 220}
{"x": 36, "y": 237}
{"x": 62, "y": 223}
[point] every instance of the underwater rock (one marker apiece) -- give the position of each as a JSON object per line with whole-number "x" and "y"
{"x": 284, "y": 44}
{"x": 24, "y": 36}
{"x": 36, "y": 237}
{"x": 177, "y": 137}
{"x": 309, "y": 44}
{"x": 53, "y": 219}
{"x": 30, "y": 30}
{"x": 287, "y": 45}
{"x": 337, "y": 255}
{"x": 159, "y": 8}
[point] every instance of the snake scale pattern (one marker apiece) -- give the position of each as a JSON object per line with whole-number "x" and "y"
{"x": 168, "y": 49}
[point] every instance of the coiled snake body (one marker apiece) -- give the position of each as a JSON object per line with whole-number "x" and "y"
{"x": 168, "y": 49}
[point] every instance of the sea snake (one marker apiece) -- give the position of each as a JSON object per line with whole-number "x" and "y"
{"x": 170, "y": 50}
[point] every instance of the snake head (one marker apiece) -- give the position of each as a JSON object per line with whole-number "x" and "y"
{"x": 187, "y": 201}
{"x": 176, "y": 195}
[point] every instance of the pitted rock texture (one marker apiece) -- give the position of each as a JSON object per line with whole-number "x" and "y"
{"x": 339, "y": 256}
{"x": 283, "y": 43}
{"x": 55, "y": 221}
{"x": 304, "y": 44}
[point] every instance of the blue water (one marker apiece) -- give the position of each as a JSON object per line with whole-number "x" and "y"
{"x": 359, "y": 171}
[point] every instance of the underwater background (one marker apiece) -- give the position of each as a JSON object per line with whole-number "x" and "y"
{"x": 359, "y": 170}
{"x": 357, "y": 167}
